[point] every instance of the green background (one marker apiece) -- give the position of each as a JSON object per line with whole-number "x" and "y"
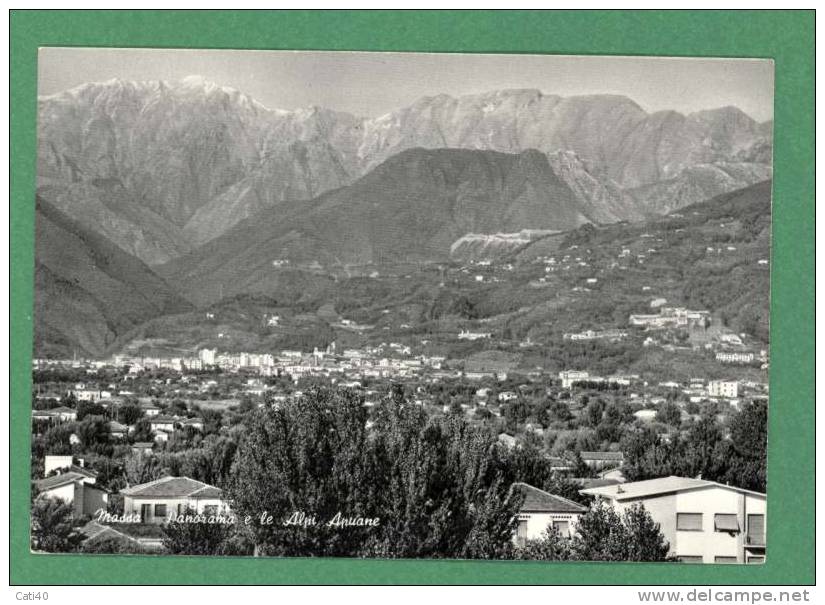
{"x": 785, "y": 36}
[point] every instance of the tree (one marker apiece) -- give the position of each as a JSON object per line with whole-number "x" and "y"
{"x": 669, "y": 413}
{"x": 56, "y": 440}
{"x": 143, "y": 430}
{"x": 196, "y": 535}
{"x": 609, "y": 429}
{"x": 92, "y": 431}
{"x": 129, "y": 413}
{"x": 646, "y": 456}
{"x": 51, "y": 526}
{"x": 246, "y": 405}
{"x": 435, "y": 485}
{"x": 703, "y": 451}
{"x": 115, "y": 545}
{"x": 212, "y": 420}
{"x": 178, "y": 407}
{"x": 647, "y": 543}
{"x": 749, "y": 437}
{"x": 560, "y": 411}
{"x": 602, "y": 534}
{"x": 89, "y": 408}
{"x": 551, "y": 546}
{"x": 139, "y": 468}
{"x": 593, "y": 412}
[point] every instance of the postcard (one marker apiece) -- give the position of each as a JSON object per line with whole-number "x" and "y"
{"x": 401, "y": 305}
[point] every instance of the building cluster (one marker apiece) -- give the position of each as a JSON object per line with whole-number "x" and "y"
{"x": 384, "y": 360}
{"x": 702, "y": 521}
{"x": 672, "y": 317}
{"x": 571, "y": 377}
{"x": 610, "y": 334}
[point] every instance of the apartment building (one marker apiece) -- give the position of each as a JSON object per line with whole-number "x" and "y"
{"x": 723, "y": 388}
{"x": 703, "y": 521}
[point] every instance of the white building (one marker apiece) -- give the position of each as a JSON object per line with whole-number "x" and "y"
{"x": 207, "y": 356}
{"x": 467, "y": 335}
{"x": 734, "y": 357}
{"x": 723, "y": 388}
{"x": 645, "y": 415}
{"x": 703, "y": 521}
{"x": 53, "y": 464}
{"x": 76, "y": 489}
{"x": 569, "y": 377}
{"x": 542, "y": 510}
{"x": 153, "y": 502}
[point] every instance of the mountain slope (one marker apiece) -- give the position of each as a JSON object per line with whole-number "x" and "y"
{"x": 163, "y": 167}
{"x": 713, "y": 255}
{"x": 87, "y": 290}
{"x": 411, "y": 209}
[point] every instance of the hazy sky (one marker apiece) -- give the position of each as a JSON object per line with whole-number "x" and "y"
{"x": 371, "y": 84}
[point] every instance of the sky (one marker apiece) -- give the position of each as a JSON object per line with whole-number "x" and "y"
{"x": 372, "y": 84}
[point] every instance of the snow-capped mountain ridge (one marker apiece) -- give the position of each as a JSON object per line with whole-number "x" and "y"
{"x": 161, "y": 167}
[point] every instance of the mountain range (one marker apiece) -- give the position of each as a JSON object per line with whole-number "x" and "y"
{"x": 162, "y": 168}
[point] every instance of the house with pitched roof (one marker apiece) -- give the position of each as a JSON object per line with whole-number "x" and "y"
{"x": 163, "y": 423}
{"x": 58, "y": 414}
{"x": 703, "y": 521}
{"x": 118, "y": 430}
{"x": 156, "y": 500}
{"x": 75, "y": 489}
{"x": 143, "y": 447}
{"x": 541, "y": 510}
{"x": 53, "y": 464}
{"x": 602, "y": 460}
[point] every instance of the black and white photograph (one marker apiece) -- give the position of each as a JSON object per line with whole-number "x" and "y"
{"x": 401, "y": 305}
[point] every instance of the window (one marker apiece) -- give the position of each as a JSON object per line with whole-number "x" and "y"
{"x": 160, "y": 510}
{"x": 563, "y": 527}
{"x": 756, "y": 560}
{"x": 690, "y": 559}
{"x": 725, "y": 522}
{"x": 521, "y": 531}
{"x": 689, "y": 521}
{"x": 726, "y": 560}
{"x": 756, "y": 530}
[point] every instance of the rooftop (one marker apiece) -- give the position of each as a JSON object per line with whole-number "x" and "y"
{"x": 173, "y": 487}
{"x": 540, "y": 501}
{"x": 602, "y": 456}
{"x": 56, "y": 481}
{"x": 655, "y": 487}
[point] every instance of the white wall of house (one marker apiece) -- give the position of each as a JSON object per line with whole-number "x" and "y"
{"x": 532, "y": 526}
{"x": 84, "y": 498}
{"x": 52, "y": 463}
{"x": 706, "y": 543}
{"x": 64, "y": 492}
{"x": 132, "y": 506}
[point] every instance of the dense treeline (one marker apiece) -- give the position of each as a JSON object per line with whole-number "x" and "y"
{"x": 436, "y": 485}
{"x": 704, "y": 451}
